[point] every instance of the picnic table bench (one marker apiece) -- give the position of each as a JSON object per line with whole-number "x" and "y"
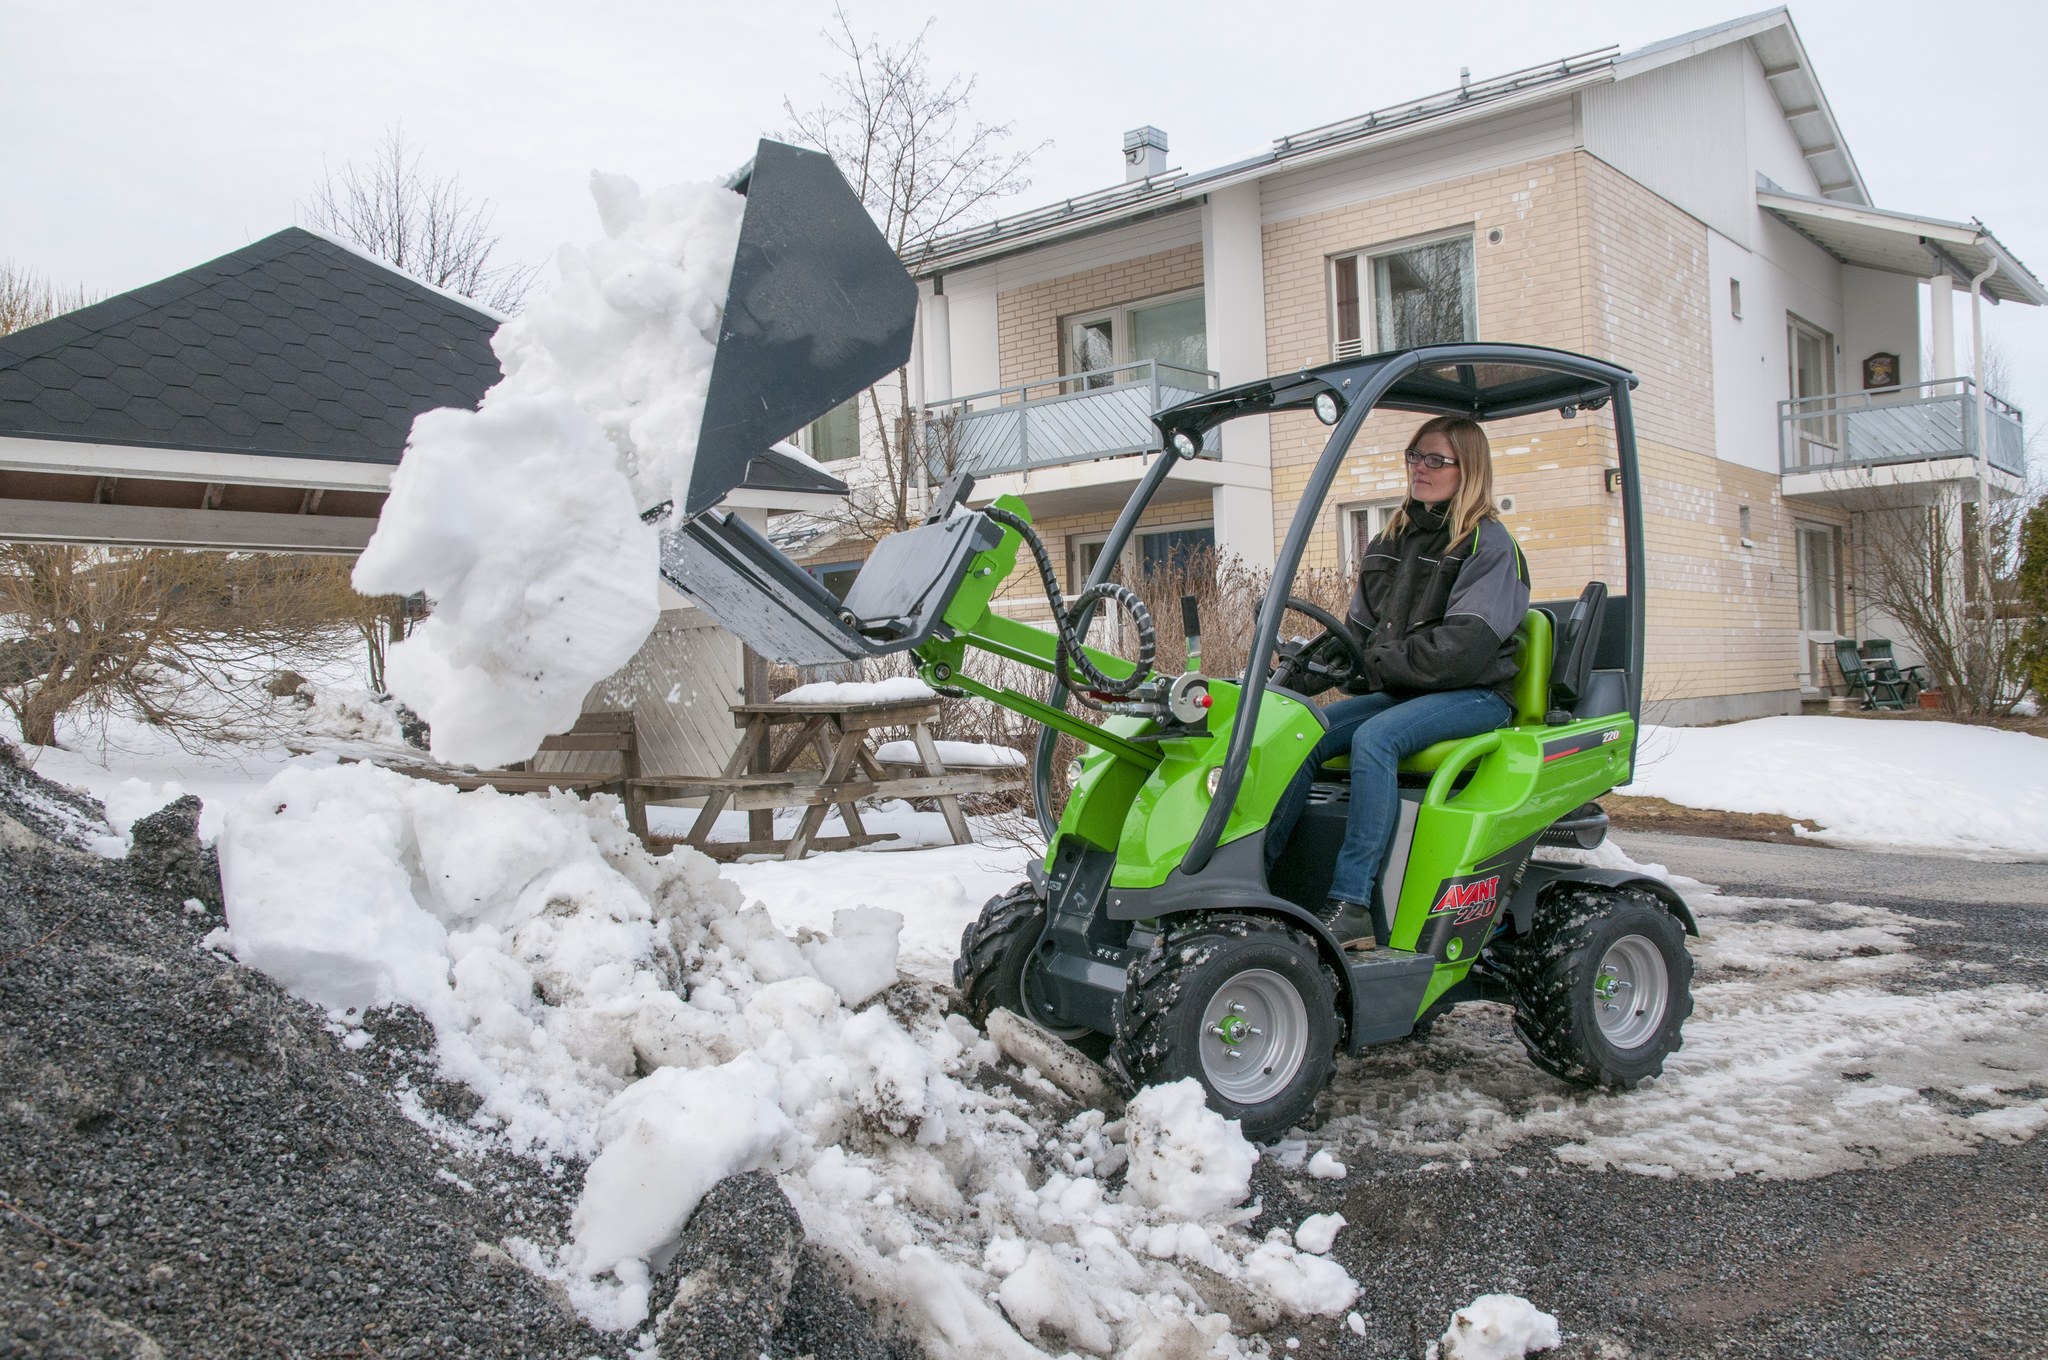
{"x": 593, "y": 732}
{"x": 758, "y": 778}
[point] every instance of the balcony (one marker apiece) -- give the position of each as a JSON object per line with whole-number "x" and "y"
{"x": 1074, "y": 418}
{"x": 1896, "y": 437}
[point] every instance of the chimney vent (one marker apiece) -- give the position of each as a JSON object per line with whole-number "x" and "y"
{"x": 1144, "y": 153}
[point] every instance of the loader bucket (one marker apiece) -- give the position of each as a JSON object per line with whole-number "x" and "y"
{"x": 819, "y": 308}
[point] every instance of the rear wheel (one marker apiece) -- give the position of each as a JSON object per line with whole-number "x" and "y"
{"x": 1243, "y": 1004}
{"x": 1603, "y": 985}
{"x": 992, "y": 970}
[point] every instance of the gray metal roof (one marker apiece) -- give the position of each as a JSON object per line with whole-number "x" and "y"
{"x": 1770, "y": 33}
{"x": 293, "y": 345}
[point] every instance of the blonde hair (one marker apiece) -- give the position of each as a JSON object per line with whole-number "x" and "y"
{"x": 1472, "y": 502}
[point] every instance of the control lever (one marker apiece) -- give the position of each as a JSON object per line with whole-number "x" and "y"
{"x": 1191, "y": 627}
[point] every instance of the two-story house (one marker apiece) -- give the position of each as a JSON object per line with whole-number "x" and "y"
{"x": 1690, "y": 210}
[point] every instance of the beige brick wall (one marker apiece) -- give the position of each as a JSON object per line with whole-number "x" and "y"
{"x": 1590, "y": 261}
{"x": 1028, "y": 318}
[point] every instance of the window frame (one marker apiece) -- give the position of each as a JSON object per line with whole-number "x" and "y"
{"x": 1120, "y": 331}
{"x": 1361, "y": 260}
{"x": 1128, "y": 566}
{"x": 817, "y": 570}
{"x": 808, "y": 438}
{"x": 1349, "y": 547}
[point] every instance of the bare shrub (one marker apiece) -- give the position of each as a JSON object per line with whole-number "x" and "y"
{"x": 183, "y": 640}
{"x": 27, "y": 298}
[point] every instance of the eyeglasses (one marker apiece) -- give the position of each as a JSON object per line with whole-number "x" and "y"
{"x": 1432, "y": 461}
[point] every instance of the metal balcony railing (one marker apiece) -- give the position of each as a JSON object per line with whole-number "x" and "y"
{"x": 1917, "y": 424}
{"x": 1069, "y": 419}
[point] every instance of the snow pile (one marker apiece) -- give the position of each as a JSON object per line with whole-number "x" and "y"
{"x": 1185, "y": 1157}
{"x": 894, "y": 690}
{"x": 952, "y": 754}
{"x": 520, "y": 520}
{"x": 558, "y": 962}
{"x": 1498, "y": 1327}
{"x": 1904, "y": 785}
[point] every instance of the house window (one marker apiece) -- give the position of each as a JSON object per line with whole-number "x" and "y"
{"x": 1742, "y": 526}
{"x": 836, "y": 434}
{"x": 1163, "y": 549}
{"x": 1174, "y": 331}
{"x": 836, "y": 577}
{"x": 1360, "y": 525}
{"x": 1420, "y": 294}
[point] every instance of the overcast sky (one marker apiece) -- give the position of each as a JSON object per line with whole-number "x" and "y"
{"x": 142, "y": 138}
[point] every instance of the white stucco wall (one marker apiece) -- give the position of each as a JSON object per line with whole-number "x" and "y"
{"x": 1786, "y": 274}
{"x": 1880, "y": 312}
{"x": 1679, "y": 130}
{"x": 1234, "y": 299}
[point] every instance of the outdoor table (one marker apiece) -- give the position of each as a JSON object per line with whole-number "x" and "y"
{"x": 758, "y": 778}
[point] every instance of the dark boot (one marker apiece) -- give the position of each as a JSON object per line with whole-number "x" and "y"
{"x": 1351, "y": 923}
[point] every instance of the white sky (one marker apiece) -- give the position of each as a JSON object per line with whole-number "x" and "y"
{"x": 144, "y": 138}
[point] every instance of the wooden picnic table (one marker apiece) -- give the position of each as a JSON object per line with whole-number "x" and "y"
{"x": 758, "y": 778}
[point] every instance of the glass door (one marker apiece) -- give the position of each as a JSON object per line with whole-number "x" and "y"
{"x": 1811, "y": 352}
{"x": 1819, "y": 603}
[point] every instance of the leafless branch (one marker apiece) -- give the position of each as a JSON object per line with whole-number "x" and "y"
{"x": 907, "y": 141}
{"x": 424, "y": 224}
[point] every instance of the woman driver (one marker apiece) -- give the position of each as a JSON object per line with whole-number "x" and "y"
{"x": 1440, "y": 594}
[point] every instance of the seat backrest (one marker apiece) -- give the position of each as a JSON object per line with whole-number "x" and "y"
{"x": 1850, "y": 662}
{"x": 1577, "y": 637}
{"x": 1531, "y": 692}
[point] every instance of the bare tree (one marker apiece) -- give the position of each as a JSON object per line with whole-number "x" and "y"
{"x": 1919, "y": 563}
{"x": 27, "y": 298}
{"x": 182, "y": 640}
{"x": 424, "y": 224}
{"x": 906, "y": 139}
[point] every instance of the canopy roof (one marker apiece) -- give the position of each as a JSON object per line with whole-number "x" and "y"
{"x": 1479, "y": 381}
{"x": 1904, "y": 243}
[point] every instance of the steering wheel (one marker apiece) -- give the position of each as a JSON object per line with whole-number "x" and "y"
{"x": 1310, "y": 666}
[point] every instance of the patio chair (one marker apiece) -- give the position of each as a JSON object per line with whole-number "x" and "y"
{"x": 1877, "y": 655}
{"x": 1864, "y": 682}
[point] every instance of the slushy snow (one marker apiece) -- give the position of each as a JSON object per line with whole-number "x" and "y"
{"x": 520, "y": 521}
{"x": 558, "y": 961}
{"x": 1498, "y": 1327}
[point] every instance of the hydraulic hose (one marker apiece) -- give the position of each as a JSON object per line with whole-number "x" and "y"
{"x": 1071, "y": 665}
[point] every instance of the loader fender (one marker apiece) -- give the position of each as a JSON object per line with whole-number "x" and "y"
{"x": 1539, "y": 878}
{"x": 1235, "y": 881}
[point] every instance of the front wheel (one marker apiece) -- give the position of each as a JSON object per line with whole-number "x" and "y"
{"x": 993, "y": 969}
{"x": 1243, "y": 1004}
{"x": 1603, "y": 985}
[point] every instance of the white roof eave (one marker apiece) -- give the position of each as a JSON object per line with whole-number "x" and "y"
{"x": 1904, "y": 243}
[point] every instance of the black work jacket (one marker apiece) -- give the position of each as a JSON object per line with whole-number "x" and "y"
{"x": 1437, "y": 615}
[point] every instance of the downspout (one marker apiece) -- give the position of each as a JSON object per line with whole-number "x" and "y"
{"x": 1983, "y": 430}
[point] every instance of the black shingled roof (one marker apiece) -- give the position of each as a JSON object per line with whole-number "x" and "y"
{"x": 292, "y": 345}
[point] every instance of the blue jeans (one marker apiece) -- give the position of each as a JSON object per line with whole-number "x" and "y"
{"x": 1380, "y": 732}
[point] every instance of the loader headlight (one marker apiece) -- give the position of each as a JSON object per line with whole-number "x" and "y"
{"x": 1184, "y": 444}
{"x": 1215, "y": 780}
{"x": 1073, "y": 771}
{"x": 1327, "y": 408}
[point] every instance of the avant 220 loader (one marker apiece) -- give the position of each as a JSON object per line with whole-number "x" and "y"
{"x": 1152, "y": 934}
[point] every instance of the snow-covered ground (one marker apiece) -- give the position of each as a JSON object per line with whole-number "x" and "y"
{"x": 1908, "y": 785}
{"x": 558, "y": 961}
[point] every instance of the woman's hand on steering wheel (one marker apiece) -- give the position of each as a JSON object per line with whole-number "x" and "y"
{"x": 1310, "y": 666}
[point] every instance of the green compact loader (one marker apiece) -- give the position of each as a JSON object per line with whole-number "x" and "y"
{"x": 1152, "y": 934}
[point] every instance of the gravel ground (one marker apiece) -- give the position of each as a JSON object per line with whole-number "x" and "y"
{"x": 192, "y": 1165}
